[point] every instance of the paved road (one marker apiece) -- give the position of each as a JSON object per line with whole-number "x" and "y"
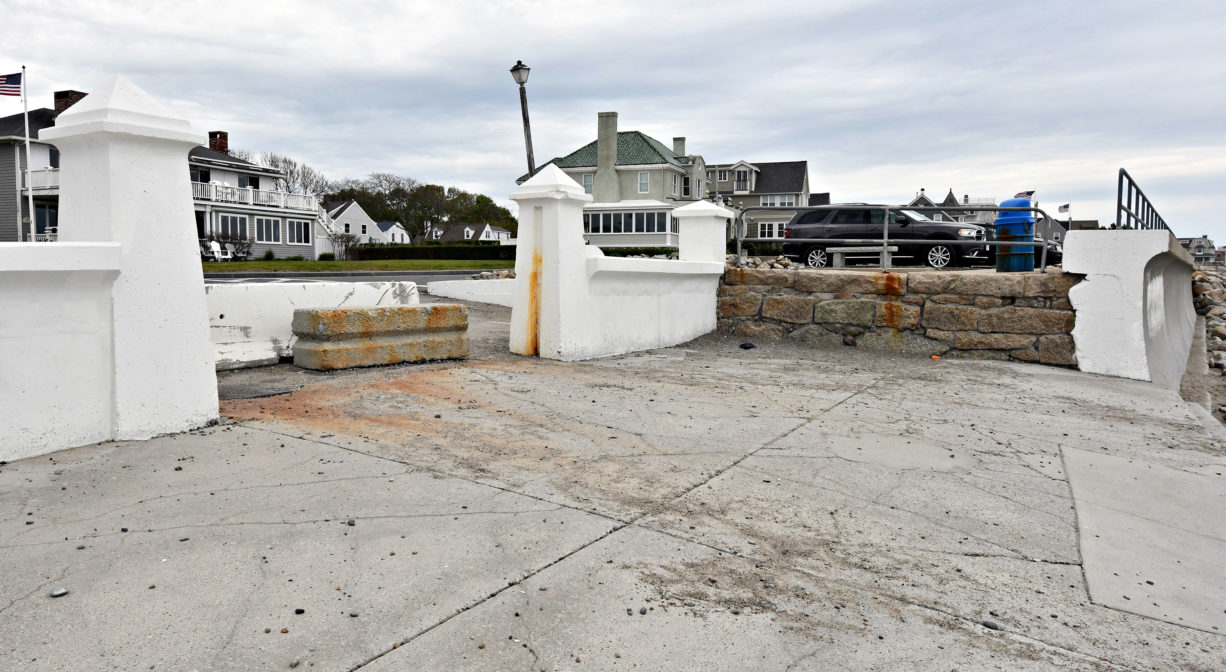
{"x": 702, "y": 507}
{"x": 419, "y": 277}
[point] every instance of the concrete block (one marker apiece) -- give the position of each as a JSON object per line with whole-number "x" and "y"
{"x": 250, "y": 324}
{"x": 1015, "y": 320}
{"x": 351, "y": 337}
{"x": 950, "y": 318}
{"x": 795, "y": 309}
{"x": 498, "y": 292}
{"x": 981, "y": 284}
{"x": 858, "y": 313}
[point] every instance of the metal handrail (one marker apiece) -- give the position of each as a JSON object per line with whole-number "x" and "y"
{"x": 885, "y": 230}
{"x": 1131, "y": 201}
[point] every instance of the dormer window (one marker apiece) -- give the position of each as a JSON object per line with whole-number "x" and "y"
{"x": 468, "y": 233}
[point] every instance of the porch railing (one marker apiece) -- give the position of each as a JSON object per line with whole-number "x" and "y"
{"x": 223, "y": 193}
{"x": 46, "y": 178}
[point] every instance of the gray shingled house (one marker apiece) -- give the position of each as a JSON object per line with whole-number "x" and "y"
{"x": 779, "y": 184}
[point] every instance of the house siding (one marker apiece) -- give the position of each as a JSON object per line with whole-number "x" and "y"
{"x": 282, "y": 249}
{"x": 10, "y": 192}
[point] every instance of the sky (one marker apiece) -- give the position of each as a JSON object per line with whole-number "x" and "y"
{"x": 882, "y": 98}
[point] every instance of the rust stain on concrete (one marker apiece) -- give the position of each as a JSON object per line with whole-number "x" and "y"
{"x": 889, "y": 314}
{"x": 534, "y": 306}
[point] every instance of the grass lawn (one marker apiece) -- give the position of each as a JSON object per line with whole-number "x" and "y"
{"x": 333, "y": 266}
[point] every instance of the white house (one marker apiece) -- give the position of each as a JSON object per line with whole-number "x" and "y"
{"x": 482, "y": 231}
{"x": 394, "y": 233}
{"x": 349, "y": 217}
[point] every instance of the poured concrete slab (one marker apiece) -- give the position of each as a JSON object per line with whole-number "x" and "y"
{"x": 1153, "y": 538}
{"x": 196, "y": 554}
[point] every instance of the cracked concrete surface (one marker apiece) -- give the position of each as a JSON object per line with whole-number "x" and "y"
{"x": 781, "y": 508}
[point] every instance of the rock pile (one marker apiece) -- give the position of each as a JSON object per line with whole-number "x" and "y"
{"x": 493, "y": 275}
{"x": 1209, "y": 296}
{"x": 779, "y": 262}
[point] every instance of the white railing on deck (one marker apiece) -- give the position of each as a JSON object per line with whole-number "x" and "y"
{"x": 222, "y": 193}
{"x": 47, "y": 178}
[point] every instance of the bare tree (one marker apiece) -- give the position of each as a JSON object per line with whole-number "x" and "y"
{"x": 299, "y": 177}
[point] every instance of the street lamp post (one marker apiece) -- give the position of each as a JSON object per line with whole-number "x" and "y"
{"x": 519, "y": 71}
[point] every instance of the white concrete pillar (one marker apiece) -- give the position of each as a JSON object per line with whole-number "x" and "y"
{"x": 550, "y": 263}
{"x": 124, "y": 178}
{"x": 1135, "y": 316}
{"x": 702, "y": 229}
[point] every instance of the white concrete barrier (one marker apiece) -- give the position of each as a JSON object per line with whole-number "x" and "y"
{"x": 497, "y": 292}
{"x": 105, "y": 334}
{"x": 1135, "y": 316}
{"x": 250, "y": 324}
{"x": 572, "y": 303}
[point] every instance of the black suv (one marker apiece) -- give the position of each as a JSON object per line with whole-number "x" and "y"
{"x": 917, "y": 237}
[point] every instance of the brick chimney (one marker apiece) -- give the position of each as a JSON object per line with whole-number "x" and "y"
{"x": 219, "y": 141}
{"x": 605, "y": 188}
{"x": 679, "y": 146}
{"x": 66, "y": 99}
{"x": 966, "y": 199}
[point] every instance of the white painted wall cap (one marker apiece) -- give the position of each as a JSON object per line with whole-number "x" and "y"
{"x": 119, "y": 106}
{"x": 703, "y": 209}
{"x": 550, "y": 182}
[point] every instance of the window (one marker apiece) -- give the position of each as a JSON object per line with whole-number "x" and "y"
{"x": 587, "y": 222}
{"x": 232, "y": 225}
{"x": 639, "y": 219}
{"x": 709, "y": 175}
{"x": 676, "y": 182}
{"x": 297, "y": 232}
{"x": 787, "y": 200}
{"x": 685, "y": 186}
{"x": 245, "y": 181}
{"x": 617, "y": 222}
{"x": 771, "y": 229}
{"x": 723, "y": 176}
{"x": 346, "y": 227}
{"x": 815, "y": 217}
{"x": 769, "y": 201}
{"x": 363, "y": 229}
{"x": 267, "y": 230}
{"x": 587, "y": 183}
{"x": 53, "y": 157}
{"x": 742, "y": 180}
{"x": 201, "y": 175}
{"x": 651, "y": 222}
{"x": 644, "y": 181}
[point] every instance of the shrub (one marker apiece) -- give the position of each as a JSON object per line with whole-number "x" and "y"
{"x": 636, "y": 251}
{"x": 268, "y": 255}
{"x": 296, "y": 257}
{"x": 327, "y": 256}
{"x": 461, "y": 252}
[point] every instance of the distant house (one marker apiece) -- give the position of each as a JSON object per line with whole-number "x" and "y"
{"x": 348, "y": 217}
{"x": 231, "y": 197}
{"x": 985, "y": 218}
{"x": 1202, "y": 249}
{"x": 479, "y": 231}
{"x": 635, "y": 182}
{"x": 781, "y": 184}
{"x": 394, "y": 232}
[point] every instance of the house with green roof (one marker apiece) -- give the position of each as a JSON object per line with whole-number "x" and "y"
{"x": 635, "y": 182}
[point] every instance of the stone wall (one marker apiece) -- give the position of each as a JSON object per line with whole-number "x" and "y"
{"x": 1017, "y": 316}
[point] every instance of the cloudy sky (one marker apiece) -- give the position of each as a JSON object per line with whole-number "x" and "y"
{"x": 881, "y": 98}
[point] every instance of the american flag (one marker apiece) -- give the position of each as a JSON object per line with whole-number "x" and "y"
{"x": 1064, "y": 208}
{"x": 10, "y": 85}
{"x": 1024, "y": 194}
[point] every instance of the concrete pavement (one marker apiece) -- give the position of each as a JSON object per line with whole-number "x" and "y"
{"x": 774, "y": 508}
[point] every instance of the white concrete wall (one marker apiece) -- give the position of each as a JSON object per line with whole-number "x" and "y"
{"x": 56, "y": 359}
{"x": 1135, "y": 316}
{"x": 573, "y": 303}
{"x": 105, "y": 334}
{"x": 250, "y": 323}
{"x": 497, "y": 292}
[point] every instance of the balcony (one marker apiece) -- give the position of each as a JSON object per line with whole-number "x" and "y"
{"x": 223, "y": 193}
{"x": 45, "y": 181}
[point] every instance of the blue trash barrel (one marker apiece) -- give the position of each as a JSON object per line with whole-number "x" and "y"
{"x": 1015, "y": 226}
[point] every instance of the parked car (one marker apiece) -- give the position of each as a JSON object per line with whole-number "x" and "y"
{"x": 918, "y": 238}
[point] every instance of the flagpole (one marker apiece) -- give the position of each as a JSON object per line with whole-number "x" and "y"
{"x": 25, "y": 104}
